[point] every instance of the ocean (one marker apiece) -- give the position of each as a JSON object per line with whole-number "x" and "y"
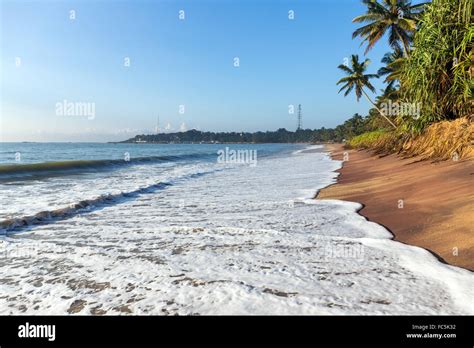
{"x": 201, "y": 229}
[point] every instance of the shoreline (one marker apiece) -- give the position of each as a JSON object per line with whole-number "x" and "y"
{"x": 421, "y": 203}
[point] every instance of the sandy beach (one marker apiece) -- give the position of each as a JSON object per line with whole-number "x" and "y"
{"x": 426, "y": 204}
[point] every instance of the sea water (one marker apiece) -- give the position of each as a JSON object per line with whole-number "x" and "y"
{"x": 171, "y": 229}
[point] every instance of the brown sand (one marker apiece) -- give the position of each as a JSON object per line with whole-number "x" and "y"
{"x": 438, "y": 200}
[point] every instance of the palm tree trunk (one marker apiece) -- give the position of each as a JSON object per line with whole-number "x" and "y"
{"x": 405, "y": 50}
{"x": 380, "y": 111}
{"x": 404, "y": 46}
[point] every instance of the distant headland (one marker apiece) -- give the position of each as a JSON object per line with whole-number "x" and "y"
{"x": 350, "y": 128}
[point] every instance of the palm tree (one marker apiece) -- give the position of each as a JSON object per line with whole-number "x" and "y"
{"x": 392, "y": 69}
{"x": 391, "y": 92}
{"x": 356, "y": 80}
{"x": 398, "y": 17}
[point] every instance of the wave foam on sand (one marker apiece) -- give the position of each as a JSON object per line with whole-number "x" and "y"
{"x": 245, "y": 240}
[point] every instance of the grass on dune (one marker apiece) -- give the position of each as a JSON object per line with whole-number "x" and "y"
{"x": 368, "y": 139}
{"x": 440, "y": 141}
{"x": 443, "y": 140}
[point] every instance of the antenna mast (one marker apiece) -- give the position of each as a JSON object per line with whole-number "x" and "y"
{"x": 300, "y": 118}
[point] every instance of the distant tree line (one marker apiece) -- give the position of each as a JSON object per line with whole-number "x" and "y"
{"x": 356, "y": 125}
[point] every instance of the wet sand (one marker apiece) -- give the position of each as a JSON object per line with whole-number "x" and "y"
{"x": 430, "y": 205}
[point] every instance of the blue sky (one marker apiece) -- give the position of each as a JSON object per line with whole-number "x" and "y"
{"x": 174, "y": 62}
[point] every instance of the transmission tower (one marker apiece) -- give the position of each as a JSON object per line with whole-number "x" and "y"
{"x": 300, "y": 118}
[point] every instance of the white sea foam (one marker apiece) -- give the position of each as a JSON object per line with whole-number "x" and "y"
{"x": 308, "y": 149}
{"x": 244, "y": 240}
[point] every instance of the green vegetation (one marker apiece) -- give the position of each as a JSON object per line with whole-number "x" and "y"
{"x": 437, "y": 74}
{"x": 397, "y": 18}
{"x": 429, "y": 73}
{"x": 391, "y": 70}
{"x": 367, "y": 139}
